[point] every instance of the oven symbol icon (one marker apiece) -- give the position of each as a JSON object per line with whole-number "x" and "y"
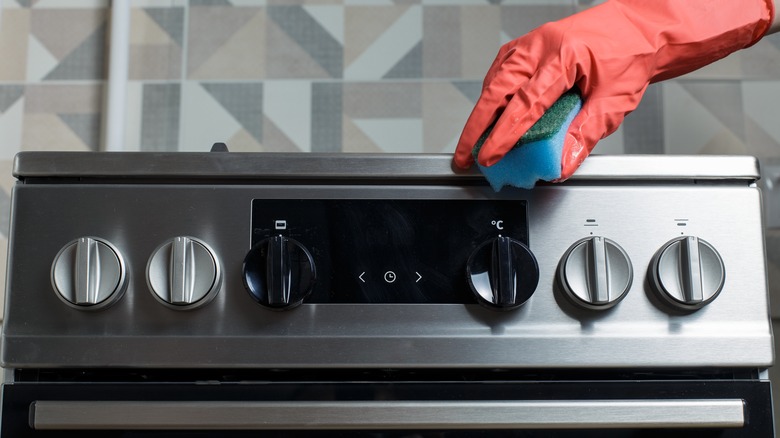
{"x": 280, "y": 224}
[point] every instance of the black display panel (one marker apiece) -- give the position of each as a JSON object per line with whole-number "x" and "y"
{"x": 389, "y": 251}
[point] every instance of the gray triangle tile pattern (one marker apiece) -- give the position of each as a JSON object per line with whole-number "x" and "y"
{"x": 171, "y": 20}
{"x": 713, "y": 94}
{"x": 320, "y": 45}
{"x": 9, "y": 94}
{"x": 85, "y": 126}
{"x": 645, "y": 125}
{"x": 242, "y": 101}
{"x": 87, "y": 61}
{"x": 470, "y": 89}
{"x": 410, "y": 66}
{"x": 453, "y": 38}
{"x": 160, "y": 117}
{"x": 327, "y": 112}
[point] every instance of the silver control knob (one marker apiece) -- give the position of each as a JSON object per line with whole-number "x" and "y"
{"x": 687, "y": 273}
{"x": 595, "y": 273}
{"x": 184, "y": 273}
{"x": 89, "y": 273}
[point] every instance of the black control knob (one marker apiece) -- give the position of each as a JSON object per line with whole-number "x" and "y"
{"x": 502, "y": 273}
{"x": 279, "y": 272}
{"x": 687, "y": 273}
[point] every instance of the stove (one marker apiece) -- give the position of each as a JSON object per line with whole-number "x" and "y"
{"x": 233, "y": 294}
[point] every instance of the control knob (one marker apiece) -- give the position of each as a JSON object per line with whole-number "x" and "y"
{"x": 89, "y": 274}
{"x": 595, "y": 273}
{"x": 184, "y": 273}
{"x": 687, "y": 273}
{"x": 502, "y": 273}
{"x": 279, "y": 272}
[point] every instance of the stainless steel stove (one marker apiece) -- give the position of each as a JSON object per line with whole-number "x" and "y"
{"x": 168, "y": 294}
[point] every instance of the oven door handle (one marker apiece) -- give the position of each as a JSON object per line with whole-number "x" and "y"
{"x": 377, "y": 415}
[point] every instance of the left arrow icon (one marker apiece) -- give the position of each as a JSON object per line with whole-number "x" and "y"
{"x": 361, "y": 276}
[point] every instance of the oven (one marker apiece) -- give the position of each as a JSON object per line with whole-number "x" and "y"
{"x": 244, "y": 294}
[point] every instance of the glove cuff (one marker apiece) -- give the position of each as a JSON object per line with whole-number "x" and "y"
{"x": 764, "y": 26}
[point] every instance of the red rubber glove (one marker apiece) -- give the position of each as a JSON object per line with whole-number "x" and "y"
{"x": 611, "y": 52}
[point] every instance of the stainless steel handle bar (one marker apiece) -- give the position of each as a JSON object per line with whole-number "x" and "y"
{"x": 314, "y": 415}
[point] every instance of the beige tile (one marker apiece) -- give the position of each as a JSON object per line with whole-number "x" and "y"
{"x": 47, "y": 132}
{"x": 724, "y": 142}
{"x": 7, "y": 179}
{"x": 243, "y": 141}
{"x": 480, "y": 39}
{"x": 242, "y": 56}
{"x": 442, "y": 42}
{"x": 445, "y": 110}
{"x": 145, "y": 31}
{"x": 155, "y": 62}
{"x": 383, "y": 100}
{"x": 14, "y": 31}
{"x": 62, "y": 30}
{"x": 364, "y": 24}
{"x": 274, "y": 139}
{"x": 355, "y": 140}
{"x": 517, "y": 20}
{"x": 64, "y": 99}
{"x": 287, "y": 59}
{"x": 211, "y": 28}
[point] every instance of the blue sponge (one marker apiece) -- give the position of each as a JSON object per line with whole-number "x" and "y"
{"x": 537, "y": 155}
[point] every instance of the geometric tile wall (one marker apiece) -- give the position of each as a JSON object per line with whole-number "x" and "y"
{"x": 326, "y": 76}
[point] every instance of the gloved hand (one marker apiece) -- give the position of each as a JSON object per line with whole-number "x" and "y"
{"x": 611, "y": 53}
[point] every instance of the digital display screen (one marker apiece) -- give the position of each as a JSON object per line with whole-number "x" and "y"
{"x": 390, "y": 251}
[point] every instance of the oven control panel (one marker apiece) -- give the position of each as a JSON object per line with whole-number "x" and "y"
{"x": 330, "y": 251}
{"x": 388, "y": 251}
{"x": 329, "y": 274}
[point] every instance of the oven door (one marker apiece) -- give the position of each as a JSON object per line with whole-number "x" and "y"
{"x": 397, "y": 408}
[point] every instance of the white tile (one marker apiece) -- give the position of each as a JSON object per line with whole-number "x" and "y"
{"x": 761, "y": 103}
{"x": 11, "y": 131}
{"x": 203, "y": 120}
{"x": 133, "y": 106}
{"x": 39, "y": 60}
{"x": 288, "y": 105}
{"x": 330, "y": 17}
{"x": 688, "y": 125}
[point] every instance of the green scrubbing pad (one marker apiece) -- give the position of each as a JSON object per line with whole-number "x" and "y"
{"x": 537, "y": 155}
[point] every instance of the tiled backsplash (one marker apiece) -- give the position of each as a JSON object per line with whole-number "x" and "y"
{"x": 326, "y": 76}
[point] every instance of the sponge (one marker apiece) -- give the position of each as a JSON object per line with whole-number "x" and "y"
{"x": 537, "y": 155}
